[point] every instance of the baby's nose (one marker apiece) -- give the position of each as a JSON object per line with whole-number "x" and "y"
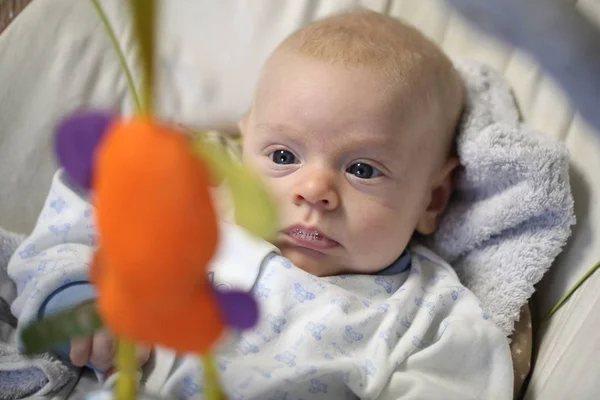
{"x": 317, "y": 190}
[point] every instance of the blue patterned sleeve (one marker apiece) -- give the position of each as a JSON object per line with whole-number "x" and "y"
{"x": 51, "y": 267}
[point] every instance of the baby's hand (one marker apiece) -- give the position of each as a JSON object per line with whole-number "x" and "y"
{"x": 99, "y": 350}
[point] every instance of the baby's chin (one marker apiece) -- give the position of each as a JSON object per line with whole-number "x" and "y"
{"x": 310, "y": 261}
{"x": 313, "y": 262}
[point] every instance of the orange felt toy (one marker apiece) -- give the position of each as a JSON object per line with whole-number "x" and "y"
{"x": 158, "y": 232}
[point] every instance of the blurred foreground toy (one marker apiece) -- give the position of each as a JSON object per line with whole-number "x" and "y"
{"x": 158, "y": 230}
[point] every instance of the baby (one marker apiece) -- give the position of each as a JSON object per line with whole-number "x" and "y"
{"x": 352, "y": 128}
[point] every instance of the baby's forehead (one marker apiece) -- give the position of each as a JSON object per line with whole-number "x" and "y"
{"x": 296, "y": 84}
{"x": 366, "y": 38}
{"x": 285, "y": 68}
{"x": 427, "y": 89}
{"x": 399, "y": 54}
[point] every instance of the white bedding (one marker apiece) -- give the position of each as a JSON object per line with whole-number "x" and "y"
{"x": 56, "y": 57}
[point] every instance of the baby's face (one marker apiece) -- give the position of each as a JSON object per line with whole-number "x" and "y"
{"x": 345, "y": 161}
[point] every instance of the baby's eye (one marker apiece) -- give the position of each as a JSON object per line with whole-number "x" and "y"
{"x": 363, "y": 170}
{"x": 284, "y": 157}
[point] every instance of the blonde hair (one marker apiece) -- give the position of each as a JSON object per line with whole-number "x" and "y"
{"x": 400, "y": 52}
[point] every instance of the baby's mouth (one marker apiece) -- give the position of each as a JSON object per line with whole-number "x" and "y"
{"x": 306, "y": 235}
{"x": 310, "y": 238}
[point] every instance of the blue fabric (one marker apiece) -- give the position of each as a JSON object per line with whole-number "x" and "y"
{"x": 400, "y": 265}
{"x": 66, "y": 297}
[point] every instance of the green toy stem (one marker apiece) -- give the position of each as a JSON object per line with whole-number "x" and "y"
{"x": 120, "y": 56}
{"x": 571, "y": 291}
{"x": 144, "y": 23}
{"x": 83, "y": 320}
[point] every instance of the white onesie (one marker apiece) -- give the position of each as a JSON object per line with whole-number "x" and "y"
{"x": 417, "y": 334}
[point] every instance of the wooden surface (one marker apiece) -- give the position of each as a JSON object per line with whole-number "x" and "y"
{"x": 9, "y": 9}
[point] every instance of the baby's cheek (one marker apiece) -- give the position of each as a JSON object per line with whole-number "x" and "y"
{"x": 376, "y": 218}
{"x": 380, "y": 236}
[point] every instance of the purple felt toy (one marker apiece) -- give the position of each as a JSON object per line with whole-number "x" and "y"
{"x": 76, "y": 140}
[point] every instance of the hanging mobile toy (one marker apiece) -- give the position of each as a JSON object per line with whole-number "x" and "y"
{"x": 158, "y": 231}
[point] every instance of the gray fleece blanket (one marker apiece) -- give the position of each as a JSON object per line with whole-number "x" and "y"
{"x": 20, "y": 376}
{"x": 512, "y": 211}
{"x": 509, "y": 218}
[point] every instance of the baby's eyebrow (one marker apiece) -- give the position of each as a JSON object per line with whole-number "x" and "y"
{"x": 276, "y": 128}
{"x": 350, "y": 143}
{"x": 366, "y": 146}
{"x": 369, "y": 145}
{"x": 275, "y": 131}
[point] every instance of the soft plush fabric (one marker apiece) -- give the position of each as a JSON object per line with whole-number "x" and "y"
{"x": 512, "y": 211}
{"x": 22, "y": 376}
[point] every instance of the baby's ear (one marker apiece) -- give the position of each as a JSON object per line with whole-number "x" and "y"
{"x": 439, "y": 197}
